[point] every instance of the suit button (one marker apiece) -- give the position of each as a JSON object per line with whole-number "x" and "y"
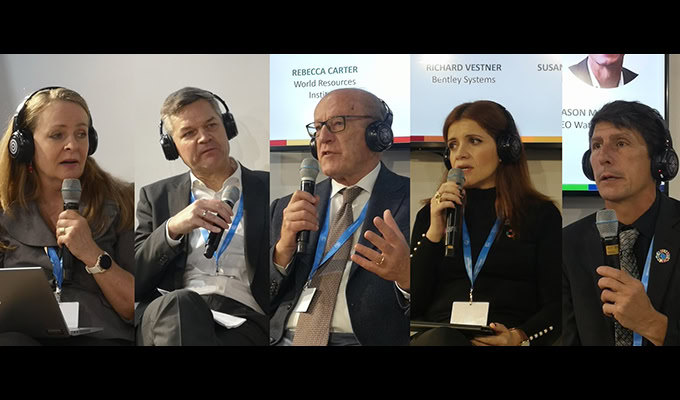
{"x": 289, "y": 306}
{"x": 271, "y": 340}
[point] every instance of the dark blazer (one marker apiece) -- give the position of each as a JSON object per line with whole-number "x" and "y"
{"x": 378, "y": 311}
{"x": 161, "y": 266}
{"x": 584, "y": 321}
{"x": 580, "y": 70}
{"x": 28, "y": 234}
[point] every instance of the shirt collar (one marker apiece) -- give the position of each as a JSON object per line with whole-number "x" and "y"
{"x": 596, "y": 83}
{"x": 234, "y": 179}
{"x": 366, "y": 183}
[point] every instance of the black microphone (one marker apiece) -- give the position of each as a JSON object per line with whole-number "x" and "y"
{"x": 608, "y": 226}
{"x": 454, "y": 216}
{"x": 309, "y": 169}
{"x": 70, "y": 193}
{"x": 229, "y": 196}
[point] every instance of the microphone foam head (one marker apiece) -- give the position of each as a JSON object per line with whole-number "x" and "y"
{"x": 309, "y": 169}
{"x": 231, "y": 193}
{"x": 606, "y": 223}
{"x": 71, "y": 190}
{"x": 456, "y": 175}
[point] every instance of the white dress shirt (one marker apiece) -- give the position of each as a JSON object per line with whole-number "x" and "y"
{"x": 230, "y": 277}
{"x": 596, "y": 83}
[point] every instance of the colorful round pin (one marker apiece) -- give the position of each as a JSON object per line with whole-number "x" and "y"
{"x": 663, "y": 256}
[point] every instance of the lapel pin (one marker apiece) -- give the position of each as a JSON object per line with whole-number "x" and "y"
{"x": 663, "y": 256}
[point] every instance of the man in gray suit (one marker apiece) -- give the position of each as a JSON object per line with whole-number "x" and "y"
{"x": 603, "y": 71}
{"x": 181, "y": 292}
{"x": 360, "y": 297}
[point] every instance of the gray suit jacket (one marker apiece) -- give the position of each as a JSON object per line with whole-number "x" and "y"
{"x": 378, "y": 311}
{"x": 27, "y": 231}
{"x": 161, "y": 266}
{"x": 584, "y": 322}
{"x": 580, "y": 70}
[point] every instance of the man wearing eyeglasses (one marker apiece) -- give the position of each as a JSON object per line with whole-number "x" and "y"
{"x": 352, "y": 289}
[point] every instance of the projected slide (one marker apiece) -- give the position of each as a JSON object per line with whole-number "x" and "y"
{"x": 642, "y": 79}
{"x": 297, "y": 83}
{"x": 528, "y": 85}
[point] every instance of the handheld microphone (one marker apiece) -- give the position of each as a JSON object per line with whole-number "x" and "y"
{"x": 454, "y": 216}
{"x": 608, "y": 226}
{"x": 309, "y": 169}
{"x": 230, "y": 196}
{"x": 70, "y": 193}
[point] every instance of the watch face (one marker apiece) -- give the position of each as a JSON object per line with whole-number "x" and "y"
{"x": 105, "y": 261}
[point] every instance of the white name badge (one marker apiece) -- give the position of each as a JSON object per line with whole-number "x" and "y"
{"x": 70, "y": 313}
{"x": 466, "y": 313}
{"x": 305, "y": 299}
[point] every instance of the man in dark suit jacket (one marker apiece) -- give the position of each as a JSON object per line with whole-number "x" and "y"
{"x": 625, "y": 137}
{"x": 377, "y": 278}
{"x": 169, "y": 244}
{"x": 607, "y": 69}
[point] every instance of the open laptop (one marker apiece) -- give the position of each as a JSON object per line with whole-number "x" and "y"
{"x": 28, "y": 306}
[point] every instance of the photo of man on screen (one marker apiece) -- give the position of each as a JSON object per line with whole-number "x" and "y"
{"x": 603, "y": 71}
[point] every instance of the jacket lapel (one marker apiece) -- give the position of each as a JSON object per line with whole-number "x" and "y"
{"x": 666, "y": 237}
{"x": 254, "y": 203}
{"x": 179, "y": 198}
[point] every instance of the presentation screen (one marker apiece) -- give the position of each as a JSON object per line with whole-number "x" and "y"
{"x": 643, "y": 78}
{"x": 299, "y": 81}
{"x": 527, "y": 85}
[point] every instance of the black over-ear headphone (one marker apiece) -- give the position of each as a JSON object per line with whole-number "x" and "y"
{"x": 378, "y": 135}
{"x": 169, "y": 147}
{"x": 664, "y": 162}
{"x": 508, "y": 143}
{"x": 21, "y": 145}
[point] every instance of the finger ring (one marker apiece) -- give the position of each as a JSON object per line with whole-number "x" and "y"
{"x": 438, "y": 196}
{"x": 204, "y": 213}
{"x": 62, "y": 231}
{"x": 382, "y": 260}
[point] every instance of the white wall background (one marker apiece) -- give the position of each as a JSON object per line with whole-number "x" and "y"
{"x": 106, "y": 83}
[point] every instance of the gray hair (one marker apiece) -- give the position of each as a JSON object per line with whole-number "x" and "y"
{"x": 174, "y": 103}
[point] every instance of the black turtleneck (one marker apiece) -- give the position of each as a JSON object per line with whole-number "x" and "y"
{"x": 521, "y": 278}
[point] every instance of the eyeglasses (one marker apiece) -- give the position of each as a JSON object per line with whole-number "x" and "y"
{"x": 334, "y": 124}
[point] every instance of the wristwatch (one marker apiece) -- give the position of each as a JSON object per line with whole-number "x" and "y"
{"x": 103, "y": 264}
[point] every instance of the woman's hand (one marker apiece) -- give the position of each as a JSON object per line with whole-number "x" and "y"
{"x": 74, "y": 232}
{"x": 503, "y": 337}
{"x": 448, "y": 195}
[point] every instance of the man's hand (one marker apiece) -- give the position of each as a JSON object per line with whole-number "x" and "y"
{"x": 625, "y": 299}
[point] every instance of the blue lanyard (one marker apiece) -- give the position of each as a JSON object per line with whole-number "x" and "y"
{"x": 467, "y": 253}
{"x": 232, "y": 229}
{"x": 637, "y": 339}
{"x": 57, "y": 266}
{"x": 323, "y": 237}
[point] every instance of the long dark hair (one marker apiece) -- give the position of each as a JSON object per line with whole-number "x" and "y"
{"x": 515, "y": 193}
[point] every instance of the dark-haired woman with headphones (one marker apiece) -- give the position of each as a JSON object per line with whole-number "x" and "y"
{"x": 505, "y": 267}
{"x": 51, "y": 138}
